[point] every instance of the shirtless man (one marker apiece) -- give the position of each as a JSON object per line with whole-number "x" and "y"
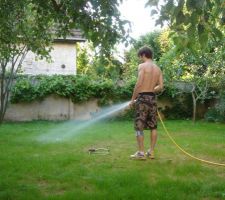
{"x": 150, "y": 81}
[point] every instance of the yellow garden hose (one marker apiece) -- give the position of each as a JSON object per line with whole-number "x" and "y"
{"x": 185, "y": 152}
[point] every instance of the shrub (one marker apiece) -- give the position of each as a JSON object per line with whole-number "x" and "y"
{"x": 78, "y": 88}
{"x": 181, "y": 105}
{"x": 217, "y": 113}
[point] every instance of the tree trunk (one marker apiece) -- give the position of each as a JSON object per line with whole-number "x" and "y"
{"x": 194, "y": 107}
{"x": 2, "y": 103}
{"x": 7, "y": 79}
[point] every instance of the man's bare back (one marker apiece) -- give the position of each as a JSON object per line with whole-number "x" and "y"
{"x": 151, "y": 77}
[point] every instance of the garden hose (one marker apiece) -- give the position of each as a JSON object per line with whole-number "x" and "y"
{"x": 185, "y": 152}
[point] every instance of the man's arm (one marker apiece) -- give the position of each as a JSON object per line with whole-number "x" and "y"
{"x": 138, "y": 83}
{"x": 159, "y": 87}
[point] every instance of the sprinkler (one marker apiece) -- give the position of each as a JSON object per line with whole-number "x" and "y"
{"x": 102, "y": 151}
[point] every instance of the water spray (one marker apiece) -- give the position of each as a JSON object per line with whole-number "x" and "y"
{"x": 69, "y": 129}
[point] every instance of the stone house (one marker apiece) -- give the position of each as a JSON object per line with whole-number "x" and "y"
{"x": 63, "y": 57}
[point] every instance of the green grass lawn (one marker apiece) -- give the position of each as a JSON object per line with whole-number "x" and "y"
{"x": 30, "y": 169}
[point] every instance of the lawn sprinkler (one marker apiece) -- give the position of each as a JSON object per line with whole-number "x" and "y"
{"x": 102, "y": 151}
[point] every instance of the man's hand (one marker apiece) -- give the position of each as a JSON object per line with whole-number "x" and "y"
{"x": 131, "y": 104}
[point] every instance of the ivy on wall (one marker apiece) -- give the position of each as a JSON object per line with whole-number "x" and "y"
{"x": 77, "y": 88}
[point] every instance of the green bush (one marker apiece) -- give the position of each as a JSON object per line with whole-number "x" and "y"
{"x": 212, "y": 115}
{"x": 28, "y": 88}
{"x": 78, "y": 88}
{"x": 181, "y": 104}
{"x": 217, "y": 113}
{"x": 23, "y": 91}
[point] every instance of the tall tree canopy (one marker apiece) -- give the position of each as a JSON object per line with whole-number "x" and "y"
{"x": 31, "y": 22}
{"x": 154, "y": 40}
{"x": 193, "y": 22}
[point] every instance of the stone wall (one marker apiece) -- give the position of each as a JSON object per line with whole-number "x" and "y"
{"x": 56, "y": 108}
{"x": 59, "y": 108}
{"x": 51, "y": 108}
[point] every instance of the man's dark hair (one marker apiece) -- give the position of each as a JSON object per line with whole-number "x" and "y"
{"x": 145, "y": 51}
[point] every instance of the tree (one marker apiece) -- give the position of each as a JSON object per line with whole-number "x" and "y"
{"x": 107, "y": 67}
{"x": 193, "y": 22}
{"x": 85, "y": 53}
{"x": 199, "y": 90}
{"x": 31, "y": 25}
{"x": 153, "y": 40}
{"x": 96, "y": 65}
{"x": 201, "y": 76}
{"x": 197, "y": 52}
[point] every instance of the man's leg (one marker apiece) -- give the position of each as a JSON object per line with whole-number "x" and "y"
{"x": 139, "y": 127}
{"x": 153, "y": 139}
{"x": 140, "y": 142}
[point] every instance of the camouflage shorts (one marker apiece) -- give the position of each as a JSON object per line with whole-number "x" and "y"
{"x": 145, "y": 111}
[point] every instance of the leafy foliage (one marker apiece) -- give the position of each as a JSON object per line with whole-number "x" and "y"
{"x": 203, "y": 70}
{"x": 181, "y": 107}
{"x": 193, "y": 23}
{"x": 34, "y": 24}
{"x": 92, "y": 63}
{"x": 217, "y": 113}
{"x": 84, "y": 56}
{"x": 78, "y": 88}
{"x": 197, "y": 32}
{"x": 153, "y": 40}
{"x": 213, "y": 115}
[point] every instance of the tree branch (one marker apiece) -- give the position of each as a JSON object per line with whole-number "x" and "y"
{"x": 3, "y": 66}
{"x": 23, "y": 54}
{"x": 56, "y": 5}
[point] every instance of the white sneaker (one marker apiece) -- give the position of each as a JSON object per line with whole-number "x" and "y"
{"x": 138, "y": 155}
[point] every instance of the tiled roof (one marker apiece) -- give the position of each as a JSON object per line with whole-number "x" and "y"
{"x": 74, "y": 36}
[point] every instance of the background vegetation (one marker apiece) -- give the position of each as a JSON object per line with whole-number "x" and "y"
{"x": 191, "y": 77}
{"x": 110, "y": 80}
{"x": 77, "y": 88}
